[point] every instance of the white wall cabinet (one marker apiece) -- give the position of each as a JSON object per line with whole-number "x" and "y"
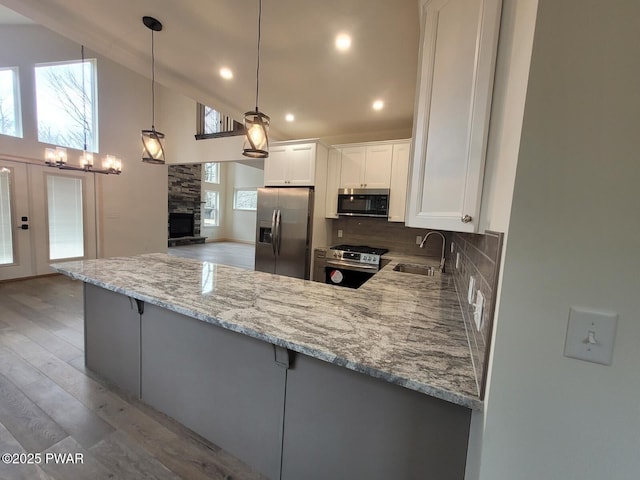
{"x": 366, "y": 166}
{"x": 290, "y": 165}
{"x": 398, "y": 184}
{"x": 458, "y": 49}
{"x": 333, "y": 182}
{"x": 383, "y": 164}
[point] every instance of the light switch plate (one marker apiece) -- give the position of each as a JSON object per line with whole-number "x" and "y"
{"x": 339, "y": 233}
{"x": 590, "y": 335}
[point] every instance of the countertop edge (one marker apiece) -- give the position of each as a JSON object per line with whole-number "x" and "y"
{"x": 436, "y": 392}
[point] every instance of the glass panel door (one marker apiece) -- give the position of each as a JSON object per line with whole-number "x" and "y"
{"x": 64, "y": 213}
{"x": 15, "y": 225}
{"x": 65, "y": 217}
{"x": 6, "y": 233}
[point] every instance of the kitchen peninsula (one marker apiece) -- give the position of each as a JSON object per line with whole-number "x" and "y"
{"x": 299, "y": 379}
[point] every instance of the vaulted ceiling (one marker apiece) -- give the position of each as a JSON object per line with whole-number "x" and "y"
{"x": 329, "y": 92}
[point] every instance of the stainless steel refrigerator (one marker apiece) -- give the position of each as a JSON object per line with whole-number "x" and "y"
{"x": 283, "y": 231}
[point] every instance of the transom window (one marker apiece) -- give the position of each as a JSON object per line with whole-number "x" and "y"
{"x": 245, "y": 199}
{"x": 63, "y": 104}
{"x": 10, "y": 118}
{"x": 211, "y": 172}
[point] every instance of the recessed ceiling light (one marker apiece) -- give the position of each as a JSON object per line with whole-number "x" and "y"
{"x": 378, "y": 105}
{"x": 226, "y": 73}
{"x": 343, "y": 42}
{"x": 289, "y": 117}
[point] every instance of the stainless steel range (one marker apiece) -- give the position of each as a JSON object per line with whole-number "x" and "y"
{"x": 352, "y": 265}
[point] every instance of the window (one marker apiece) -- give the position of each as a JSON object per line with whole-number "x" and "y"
{"x": 211, "y": 208}
{"x": 212, "y": 172}
{"x": 63, "y": 105}
{"x": 245, "y": 199}
{"x": 6, "y": 239}
{"x": 212, "y": 120}
{"x": 66, "y": 226}
{"x": 10, "y": 118}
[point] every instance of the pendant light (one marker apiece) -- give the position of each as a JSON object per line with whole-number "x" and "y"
{"x": 152, "y": 140}
{"x": 256, "y": 123}
{"x": 57, "y": 157}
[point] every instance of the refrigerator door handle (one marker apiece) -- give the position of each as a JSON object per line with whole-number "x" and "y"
{"x": 278, "y": 231}
{"x": 273, "y": 232}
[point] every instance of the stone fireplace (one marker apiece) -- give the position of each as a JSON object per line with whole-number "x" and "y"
{"x": 184, "y": 201}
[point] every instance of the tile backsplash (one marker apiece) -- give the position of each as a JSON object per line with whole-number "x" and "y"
{"x": 380, "y": 233}
{"x": 479, "y": 257}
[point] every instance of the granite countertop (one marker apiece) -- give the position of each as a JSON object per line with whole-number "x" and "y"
{"x": 403, "y": 328}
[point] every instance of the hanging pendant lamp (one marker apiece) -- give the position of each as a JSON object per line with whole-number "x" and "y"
{"x": 152, "y": 140}
{"x": 256, "y": 123}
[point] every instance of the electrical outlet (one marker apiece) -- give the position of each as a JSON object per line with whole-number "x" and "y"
{"x": 472, "y": 289}
{"x": 339, "y": 233}
{"x": 478, "y": 307}
{"x": 418, "y": 239}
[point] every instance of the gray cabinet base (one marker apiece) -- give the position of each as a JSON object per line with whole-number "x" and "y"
{"x": 308, "y": 420}
{"x": 112, "y": 337}
{"x": 340, "y": 424}
{"x": 225, "y": 386}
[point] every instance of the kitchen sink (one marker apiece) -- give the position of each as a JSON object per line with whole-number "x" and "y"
{"x": 430, "y": 271}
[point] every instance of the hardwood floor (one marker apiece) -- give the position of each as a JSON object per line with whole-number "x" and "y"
{"x": 50, "y": 404}
{"x": 240, "y": 255}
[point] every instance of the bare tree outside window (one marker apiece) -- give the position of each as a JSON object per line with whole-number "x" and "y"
{"x": 10, "y": 121}
{"x": 212, "y": 120}
{"x": 65, "y": 109}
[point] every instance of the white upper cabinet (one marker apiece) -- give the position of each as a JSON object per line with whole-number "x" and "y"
{"x": 366, "y": 166}
{"x": 383, "y": 164}
{"x": 333, "y": 182}
{"x": 398, "y": 188}
{"x": 459, "y": 41}
{"x": 290, "y": 165}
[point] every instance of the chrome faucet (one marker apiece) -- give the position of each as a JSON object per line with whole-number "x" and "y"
{"x": 424, "y": 240}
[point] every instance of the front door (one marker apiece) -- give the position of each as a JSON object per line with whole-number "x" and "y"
{"x": 46, "y": 215}
{"x": 16, "y": 259}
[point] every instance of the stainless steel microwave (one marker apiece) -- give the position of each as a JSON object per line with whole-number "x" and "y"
{"x": 363, "y": 202}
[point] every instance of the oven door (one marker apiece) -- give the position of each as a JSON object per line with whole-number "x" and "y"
{"x": 346, "y": 277}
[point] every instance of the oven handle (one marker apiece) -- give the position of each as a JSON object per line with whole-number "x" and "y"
{"x": 350, "y": 266}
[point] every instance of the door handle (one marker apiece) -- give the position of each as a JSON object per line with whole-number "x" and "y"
{"x": 24, "y": 226}
{"x": 273, "y": 232}
{"x": 278, "y": 228}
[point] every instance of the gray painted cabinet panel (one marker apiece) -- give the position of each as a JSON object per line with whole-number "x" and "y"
{"x": 340, "y": 424}
{"x": 112, "y": 337}
{"x": 223, "y": 385}
{"x": 314, "y": 420}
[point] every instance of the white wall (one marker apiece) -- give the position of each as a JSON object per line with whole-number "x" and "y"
{"x": 240, "y": 225}
{"x": 507, "y": 109}
{"x": 132, "y": 206}
{"x": 573, "y": 240}
{"x": 176, "y": 118}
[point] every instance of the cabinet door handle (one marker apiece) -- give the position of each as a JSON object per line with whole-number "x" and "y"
{"x": 466, "y": 219}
